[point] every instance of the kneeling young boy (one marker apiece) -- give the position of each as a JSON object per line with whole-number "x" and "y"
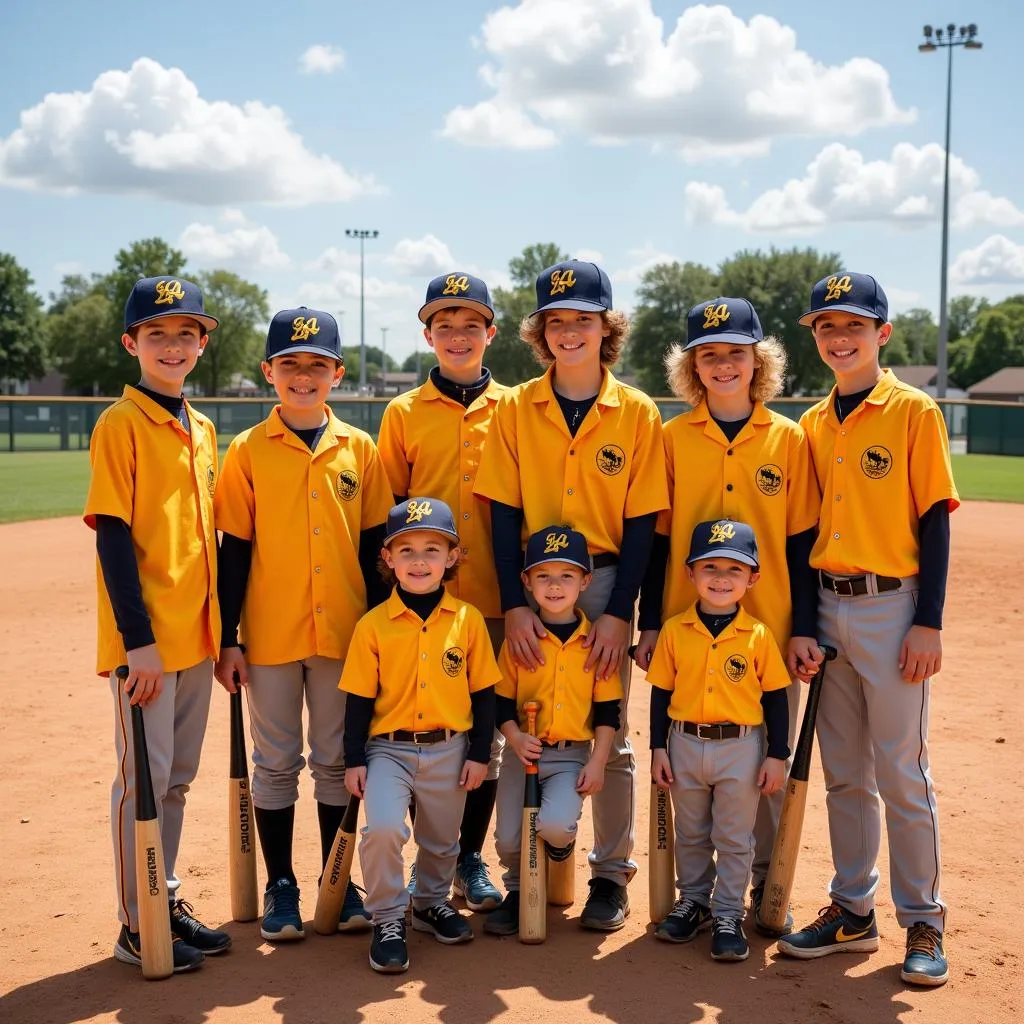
{"x": 419, "y": 719}
{"x": 717, "y": 675}
{"x": 575, "y": 725}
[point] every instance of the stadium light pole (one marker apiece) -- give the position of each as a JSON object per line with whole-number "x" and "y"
{"x": 362, "y": 234}
{"x": 934, "y": 39}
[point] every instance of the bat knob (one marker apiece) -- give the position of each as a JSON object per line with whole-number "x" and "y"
{"x": 828, "y": 650}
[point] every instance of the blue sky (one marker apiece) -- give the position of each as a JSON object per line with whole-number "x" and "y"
{"x": 627, "y": 130}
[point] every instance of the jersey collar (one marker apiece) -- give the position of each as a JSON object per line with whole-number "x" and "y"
{"x": 493, "y": 391}
{"x": 158, "y": 414}
{"x": 397, "y": 607}
{"x": 880, "y": 394}
{"x": 581, "y": 633}
{"x": 333, "y": 430}
{"x": 742, "y": 623}
{"x": 608, "y": 396}
{"x": 760, "y": 417}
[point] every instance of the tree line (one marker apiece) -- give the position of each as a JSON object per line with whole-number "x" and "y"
{"x": 75, "y": 332}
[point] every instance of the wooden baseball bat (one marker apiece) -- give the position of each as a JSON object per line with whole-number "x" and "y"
{"x": 561, "y": 880}
{"x": 661, "y": 880}
{"x": 778, "y": 885}
{"x": 150, "y": 876}
{"x": 242, "y": 849}
{"x": 334, "y": 880}
{"x": 533, "y": 900}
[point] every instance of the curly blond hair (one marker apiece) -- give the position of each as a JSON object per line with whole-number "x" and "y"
{"x": 531, "y": 330}
{"x": 766, "y": 384}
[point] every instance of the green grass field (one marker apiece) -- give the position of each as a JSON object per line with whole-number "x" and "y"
{"x": 40, "y": 485}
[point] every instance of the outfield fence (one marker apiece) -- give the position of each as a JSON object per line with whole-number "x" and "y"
{"x": 33, "y": 424}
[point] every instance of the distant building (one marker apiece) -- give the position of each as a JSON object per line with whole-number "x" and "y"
{"x": 397, "y": 382}
{"x": 1005, "y": 385}
{"x": 923, "y": 377}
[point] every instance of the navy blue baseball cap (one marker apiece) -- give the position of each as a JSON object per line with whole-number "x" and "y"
{"x": 846, "y": 292}
{"x": 420, "y": 514}
{"x": 573, "y": 284}
{"x": 303, "y": 330}
{"x": 725, "y": 320}
{"x": 457, "y": 289}
{"x": 558, "y": 544}
{"x": 153, "y": 297}
{"x": 723, "y": 538}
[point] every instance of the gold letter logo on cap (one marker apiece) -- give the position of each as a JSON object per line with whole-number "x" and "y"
{"x": 836, "y": 286}
{"x": 417, "y": 510}
{"x": 168, "y": 292}
{"x": 562, "y": 279}
{"x": 721, "y": 532}
{"x": 303, "y": 328}
{"x": 453, "y": 285}
{"x": 555, "y": 542}
{"x": 715, "y": 316}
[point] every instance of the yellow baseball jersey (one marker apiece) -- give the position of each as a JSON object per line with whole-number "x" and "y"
{"x": 879, "y": 471}
{"x": 717, "y": 679}
{"x": 565, "y": 691}
{"x": 432, "y": 445}
{"x": 420, "y": 673}
{"x": 160, "y": 480}
{"x": 613, "y": 469}
{"x": 763, "y": 478}
{"x": 304, "y": 512}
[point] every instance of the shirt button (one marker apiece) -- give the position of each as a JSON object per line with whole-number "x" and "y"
{"x": 465, "y": 476}
{"x": 839, "y": 497}
{"x": 420, "y": 715}
{"x": 711, "y": 671}
{"x": 423, "y": 686}
{"x": 710, "y": 690}
{"x": 714, "y": 647}
{"x": 840, "y": 459}
{"x": 316, "y": 568}
{"x": 465, "y": 515}
{"x": 843, "y": 432}
{"x": 423, "y": 656}
{"x": 561, "y": 668}
{"x": 728, "y": 487}
{"x": 315, "y": 495}
{"x": 729, "y": 452}
{"x": 558, "y": 707}
{"x": 319, "y": 609}
{"x": 835, "y": 536}
{"x": 424, "y": 629}
{"x": 465, "y": 444}
{"x": 569, "y": 491}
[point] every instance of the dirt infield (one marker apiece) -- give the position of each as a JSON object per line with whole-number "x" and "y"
{"x": 57, "y": 918}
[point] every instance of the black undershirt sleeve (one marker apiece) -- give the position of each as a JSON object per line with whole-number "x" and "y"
{"x": 634, "y": 554}
{"x": 660, "y": 722}
{"x": 358, "y": 715}
{"x": 606, "y": 712}
{"x": 505, "y": 710}
{"x": 775, "y": 704}
{"x": 234, "y": 560}
{"x": 120, "y": 570}
{"x": 803, "y": 583}
{"x": 506, "y": 540}
{"x": 933, "y": 536}
{"x": 652, "y": 589}
{"x": 371, "y": 540}
{"x": 481, "y": 732}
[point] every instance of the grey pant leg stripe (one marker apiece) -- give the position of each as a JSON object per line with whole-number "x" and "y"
{"x": 932, "y": 809}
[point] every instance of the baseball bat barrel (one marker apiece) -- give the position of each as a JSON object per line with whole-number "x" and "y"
{"x": 242, "y": 849}
{"x": 532, "y": 874}
{"x": 150, "y": 876}
{"x": 337, "y": 872}
{"x": 778, "y": 885}
{"x": 561, "y": 880}
{"x": 661, "y": 880}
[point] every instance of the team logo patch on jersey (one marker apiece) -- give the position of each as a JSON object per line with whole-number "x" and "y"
{"x": 715, "y": 316}
{"x": 452, "y": 661}
{"x": 769, "y": 479}
{"x": 211, "y": 480}
{"x": 610, "y": 459}
{"x": 837, "y": 287}
{"x": 454, "y": 284}
{"x": 876, "y": 461}
{"x": 348, "y": 484}
{"x": 168, "y": 293}
{"x": 735, "y": 667}
{"x": 561, "y": 280}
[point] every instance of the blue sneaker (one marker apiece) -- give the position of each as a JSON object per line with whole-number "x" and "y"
{"x": 925, "y": 962}
{"x": 473, "y": 884}
{"x": 834, "y": 931}
{"x": 354, "y": 916}
{"x": 282, "y": 921}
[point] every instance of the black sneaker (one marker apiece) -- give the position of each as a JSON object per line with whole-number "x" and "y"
{"x": 444, "y": 922}
{"x": 504, "y": 920}
{"x": 685, "y": 919}
{"x": 128, "y": 949}
{"x": 194, "y": 933}
{"x": 756, "y": 899}
{"x": 607, "y": 906}
{"x": 727, "y": 939}
{"x": 388, "y": 952}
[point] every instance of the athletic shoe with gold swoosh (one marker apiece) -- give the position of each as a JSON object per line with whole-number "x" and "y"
{"x": 834, "y": 931}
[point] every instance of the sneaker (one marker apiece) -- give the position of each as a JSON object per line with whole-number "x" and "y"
{"x": 128, "y": 949}
{"x": 354, "y": 916}
{"x": 194, "y": 933}
{"x": 444, "y": 922}
{"x": 925, "y": 962}
{"x": 728, "y": 942}
{"x": 756, "y": 898}
{"x": 835, "y": 931}
{"x": 504, "y": 920}
{"x": 685, "y": 919}
{"x": 411, "y": 887}
{"x": 473, "y": 884}
{"x": 607, "y": 906}
{"x": 388, "y": 952}
{"x": 282, "y": 921}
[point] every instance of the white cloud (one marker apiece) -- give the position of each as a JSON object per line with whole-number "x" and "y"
{"x": 421, "y": 257}
{"x": 589, "y": 255}
{"x": 996, "y": 260}
{"x": 240, "y": 246}
{"x": 321, "y": 60}
{"x": 841, "y": 186}
{"x": 333, "y": 259}
{"x": 641, "y": 260}
{"x": 712, "y": 85}
{"x": 148, "y": 132}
